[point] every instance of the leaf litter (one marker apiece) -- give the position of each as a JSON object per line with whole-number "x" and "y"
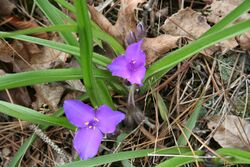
{"x": 221, "y": 76}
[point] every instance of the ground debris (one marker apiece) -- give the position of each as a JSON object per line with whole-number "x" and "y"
{"x": 231, "y": 131}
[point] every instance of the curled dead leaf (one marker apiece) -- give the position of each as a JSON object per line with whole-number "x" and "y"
{"x": 220, "y": 8}
{"x": 192, "y": 24}
{"x": 6, "y": 7}
{"x": 48, "y": 94}
{"x": 244, "y": 40}
{"x": 156, "y": 47}
{"x": 125, "y": 22}
{"x": 20, "y": 24}
{"x": 186, "y": 22}
{"x": 231, "y": 132}
{"x": 7, "y": 51}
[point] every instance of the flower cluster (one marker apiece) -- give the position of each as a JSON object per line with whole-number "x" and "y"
{"x": 92, "y": 125}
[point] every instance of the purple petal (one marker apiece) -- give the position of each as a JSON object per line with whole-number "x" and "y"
{"x": 137, "y": 76}
{"x": 87, "y": 141}
{"x": 135, "y": 53}
{"x": 108, "y": 119}
{"x": 118, "y": 67}
{"x": 78, "y": 113}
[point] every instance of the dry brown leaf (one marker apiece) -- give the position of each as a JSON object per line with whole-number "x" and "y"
{"x": 220, "y": 8}
{"x": 186, "y": 22}
{"x": 48, "y": 94}
{"x": 233, "y": 131}
{"x": 6, "y": 7}
{"x": 20, "y": 24}
{"x": 156, "y": 47}
{"x": 192, "y": 24}
{"x": 244, "y": 40}
{"x": 7, "y": 51}
{"x": 125, "y": 22}
{"x": 31, "y": 57}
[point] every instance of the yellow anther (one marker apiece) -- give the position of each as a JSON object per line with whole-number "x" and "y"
{"x": 90, "y": 127}
{"x": 86, "y": 123}
{"x": 97, "y": 120}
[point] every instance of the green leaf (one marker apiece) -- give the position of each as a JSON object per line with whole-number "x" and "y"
{"x": 86, "y": 48}
{"x": 234, "y": 155}
{"x": 21, "y": 151}
{"x": 180, "y": 161}
{"x": 40, "y": 76}
{"x": 67, "y": 5}
{"x": 101, "y": 160}
{"x": 162, "y": 106}
{"x": 33, "y": 116}
{"x": 58, "y": 28}
{"x": 190, "y": 124}
{"x": 57, "y": 17}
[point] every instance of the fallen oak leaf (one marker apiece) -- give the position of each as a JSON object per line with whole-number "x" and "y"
{"x": 191, "y": 24}
{"x": 48, "y": 94}
{"x": 232, "y": 132}
{"x": 187, "y": 23}
{"x": 6, "y": 7}
{"x": 244, "y": 40}
{"x": 156, "y": 47}
{"x": 220, "y": 8}
{"x": 125, "y": 22}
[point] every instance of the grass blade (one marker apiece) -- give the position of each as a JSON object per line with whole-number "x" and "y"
{"x": 180, "y": 161}
{"x": 86, "y": 42}
{"x": 97, "y": 58}
{"x": 33, "y": 116}
{"x": 9, "y": 81}
{"x": 121, "y": 156}
{"x": 236, "y": 156}
{"x": 57, "y": 17}
{"x": 190, "y": 124}
{"x": 187, "y": 51}
{"x": 232, "y": 16}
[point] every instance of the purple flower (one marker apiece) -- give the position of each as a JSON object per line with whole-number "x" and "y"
{"x": 131, "y": 65}
{"x": 92, "y": 125}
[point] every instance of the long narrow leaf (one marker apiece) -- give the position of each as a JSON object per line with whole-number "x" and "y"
{"x": 29, "y": 78}
{"x": 122, "y": 156}
{"x": 57, "y": 18}
{"x": 234, "y": 155}
{"x": 196, "y": 46}
{"x": 190, "y": 124}
{"x": 86, "y": 44}
{"x": 33, "y": 116}
{"x": 97, "y": 58}
{"x": 180, "y": 161}
{"x": 233, "y": 15}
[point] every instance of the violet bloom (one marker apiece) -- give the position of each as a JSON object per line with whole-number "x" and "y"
{"x": 92, "y": 125}
{"x": 131, "y": 65}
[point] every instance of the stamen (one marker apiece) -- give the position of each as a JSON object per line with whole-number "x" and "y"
{"x": 86, "y": 123}
{"x": 90, "y": 127}
{"x": 95, "y": 119}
